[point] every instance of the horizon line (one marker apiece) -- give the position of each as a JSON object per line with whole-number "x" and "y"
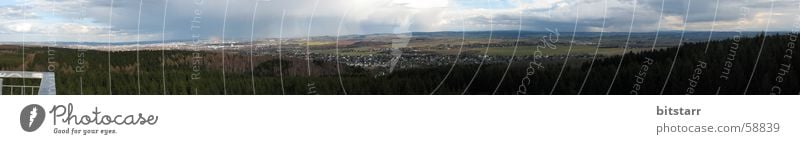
{"x": 303, "y": 37}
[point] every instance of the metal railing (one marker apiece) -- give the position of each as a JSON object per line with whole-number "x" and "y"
{"x": 17, "y": 89}
{"x": 47, "y": 85}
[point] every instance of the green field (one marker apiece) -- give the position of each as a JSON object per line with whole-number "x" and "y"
{"x": 530, "y": 50}
{"x": 499, "y": 51}
{"x": 361, "y": 51}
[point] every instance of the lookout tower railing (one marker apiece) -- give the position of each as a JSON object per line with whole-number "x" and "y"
{"x": 47, "y": 84}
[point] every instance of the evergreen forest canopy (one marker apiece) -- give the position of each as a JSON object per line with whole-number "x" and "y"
{"x": 724, "y": 68}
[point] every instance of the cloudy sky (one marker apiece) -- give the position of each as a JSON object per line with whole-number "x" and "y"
{"x": 146, "y": 20}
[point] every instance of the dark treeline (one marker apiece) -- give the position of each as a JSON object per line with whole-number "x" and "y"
{"x": 725, "y": 67}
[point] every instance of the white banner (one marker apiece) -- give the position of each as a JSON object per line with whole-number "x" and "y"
{"x": 400, "y": 119}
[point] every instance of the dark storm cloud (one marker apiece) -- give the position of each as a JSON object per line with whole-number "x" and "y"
{"x": 238, "y": 24}
{"x": 376, "y": 16}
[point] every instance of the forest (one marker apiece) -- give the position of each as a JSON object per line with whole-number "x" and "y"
{"x": 761, "y": 64}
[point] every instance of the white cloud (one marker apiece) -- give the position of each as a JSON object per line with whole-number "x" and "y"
{"x": 20, "y": 27}
{"x": 422, "y": 4}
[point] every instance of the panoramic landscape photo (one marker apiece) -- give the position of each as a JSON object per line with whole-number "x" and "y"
{"x": 399, "y": 47}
